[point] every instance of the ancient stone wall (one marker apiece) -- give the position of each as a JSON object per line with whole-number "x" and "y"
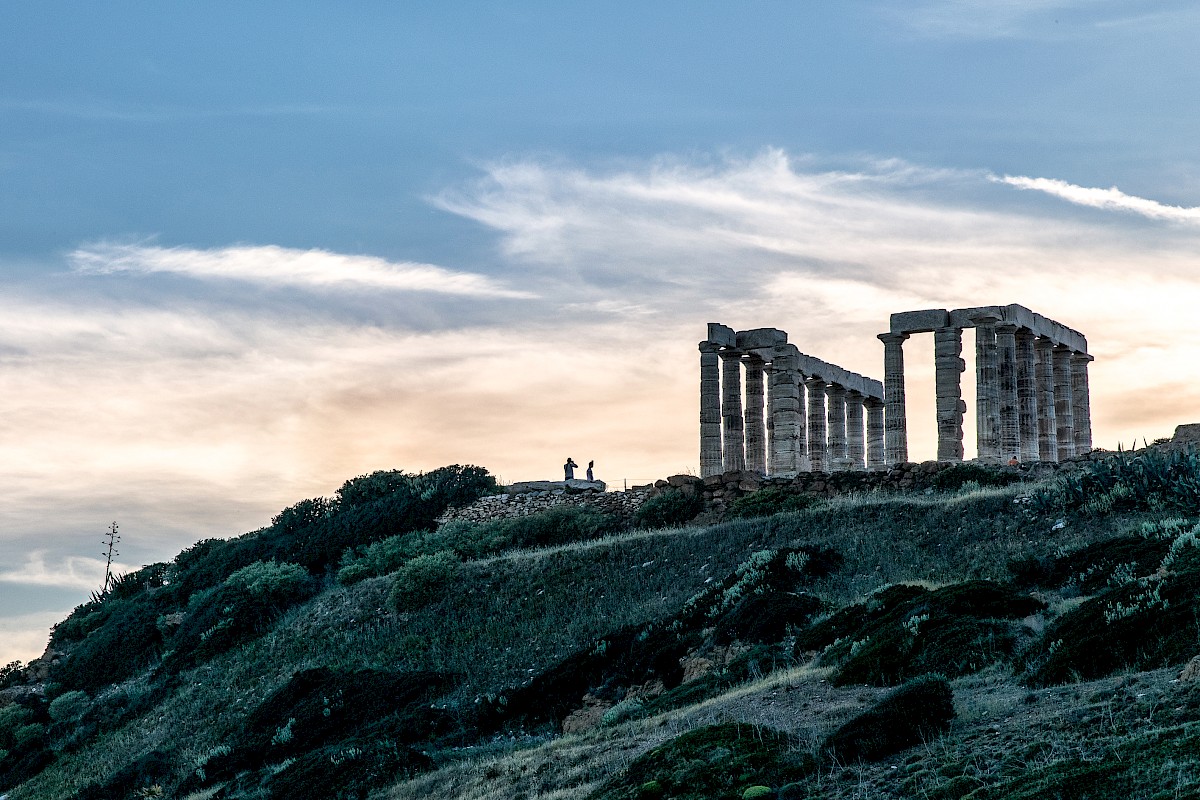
{"x": 509, "y": 506}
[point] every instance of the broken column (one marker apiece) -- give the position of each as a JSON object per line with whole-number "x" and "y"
{"x": 756, "y": 433}
{"x": 948, "y": 369}
{"x": 1026, "y": 397}
{"x": 817, "y": 452}
{"x": 710, "y": 410}
{"x": 1006, "y": 383}
{"x": 895, "y": 425}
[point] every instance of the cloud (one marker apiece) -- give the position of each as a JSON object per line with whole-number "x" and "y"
{"x": 271, "y": 265}
{"x": 1112, "y": 199}
{"x": 71, "y": 572}
{"x": 1033, "y": 19}
{"x": 23, "y": 637}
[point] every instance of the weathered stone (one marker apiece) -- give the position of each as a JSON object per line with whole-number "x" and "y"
{"x": 683, "y": 480}
{"x": 1063, "y": 406}
{"x": 756, "y": 432}
{"x": 1027, "y": 406}
{"x": 895, "y": 426}
{"x": 1044, "y": 380}
{"x": 710, "y": 409}
{"x": 987, "y": 389}
{"x": 733, "y": 439}
{"x": 1186, "y": 434}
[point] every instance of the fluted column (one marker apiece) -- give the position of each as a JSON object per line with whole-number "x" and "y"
{"x": 769, "y": 417}
{"x": 785, "y": 414}
{"x": 835, "y": 415}
{"x": 756, "y": 433}
{"x": 987, "y": 390}
{"x": 948, "y": 369}
{"x": 1043, "y": 349}
{"x": 817, "y": 450}
{"x": 895, "y": 424}
{"x": 733, "y": 445}
{"x": 855, "y": 439}
{"x": 1006, "y": 380}
{"x": 1027, "y": 406}
{"x": 1063, "y": 407}
{"x": 876, "y": 452}
{"x": 710, "y": 410}
{"x": 1081, "y": 402}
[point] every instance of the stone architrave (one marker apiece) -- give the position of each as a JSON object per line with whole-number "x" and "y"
{"x": 1063, "y": 406}
{"x": 1081, "y": 404}
{"x": 1043, "y": 349}
{"x": 785, "y": 416}
{"x": 895, "y": 424}
{"x": 855, "y": 439}
{"x": 987, "y": 389}
{"x": 1027, "y": 405}
{"x": 733, "y": 445}
{"x": 710, "y": 410}
{"x": 756, "y": 432}
{"x": 1006, "y": 375}
{"x": 876, "y": 452}
{"x": 948, "y": 369}
{"x": 817, "y": 448}
{"x": 835, "y": 416}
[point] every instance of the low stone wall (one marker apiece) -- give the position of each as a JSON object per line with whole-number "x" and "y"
{"x": 509, "y": 506}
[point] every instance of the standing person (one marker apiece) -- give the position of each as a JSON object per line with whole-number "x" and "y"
{"x": 569, "y": 468}
{"x": 589, "y": 472}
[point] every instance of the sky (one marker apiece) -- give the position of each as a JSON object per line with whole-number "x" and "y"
{"x": 249, "y": 251}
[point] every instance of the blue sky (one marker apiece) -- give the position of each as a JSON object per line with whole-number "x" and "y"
{"x": 248, "y": 251}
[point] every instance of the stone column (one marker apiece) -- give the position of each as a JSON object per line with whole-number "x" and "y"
{"x": 895, "y": 424}
{"x": 710, "y": 410}
{"x": 756, "y": 433}
{"x": 733, "y": 445}
{"x": 769, "y": 420}
{"x": 855, "y": 441}
{"x": 803, "y": 463}
{"x": 1063, "y": 412}
{"x": 1027, "y": 406}
{"x": 1081, "y": 402}
{"x": 987, "y": 389}
{"x": 1043, "y": 349}
{"x": 785, "y": 413}
{"x": 817, "y": 452}
{"x": 876, "y": 453}
{"x": 835, "y": 415}
{"x": 1006, "y": 375}
{"x": 948, "y": 369}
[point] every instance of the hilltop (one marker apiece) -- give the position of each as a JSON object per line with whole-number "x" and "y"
{"x": 936, "y": 632}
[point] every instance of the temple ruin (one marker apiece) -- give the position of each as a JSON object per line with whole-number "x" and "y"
{"x": 803, "y": 414}
{"x": 1032, "y": 400}
{"x": 800, "y": 414}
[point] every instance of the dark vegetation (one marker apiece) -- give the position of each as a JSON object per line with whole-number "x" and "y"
{"x": 353, "y": 644}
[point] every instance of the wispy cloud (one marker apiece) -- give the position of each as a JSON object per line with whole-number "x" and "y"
{"x": 1112, "y": 199}
{"x": 71, "y": 572}
{"x": 1032, "y": 19}
{"x": 280, "y": 266}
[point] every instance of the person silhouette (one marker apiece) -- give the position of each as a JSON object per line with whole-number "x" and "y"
{"x": 589, "y": 472}
{"x": 569, "y": 468}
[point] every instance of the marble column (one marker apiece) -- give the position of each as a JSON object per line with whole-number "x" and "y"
{"x": 1043, "y": 349}
{"x": 769, "y": 420}
{"x": 987, "y": 390}
{"x": 1081, "y": 403}
{"x": 817, "y": 450}
{"x": 1064, "y": 414}
{"x": 948, "y": 368}
{"x": 756, "y": 433}
{"x": 710, "y": 409}
{"x": 855, "y": 440}
{"x": 1006, "y": 380}
{"x": 876, "y": 452}
{"x": 785, "y": 415}
{"x": 733, "y": 445}
{"x": 835, "y": 415}
{"x": 895, "y": 424}
{"x": 1027, "y": 405}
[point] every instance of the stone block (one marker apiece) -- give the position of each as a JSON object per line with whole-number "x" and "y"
{"x": 526, "y": 487}
{"x": 721, "y": 334}
{"x": 760, "y": 338}
{"x": 575, "y": 486}
{"x": 925, "y": 321}
{"x": 683, "y": 480}
{"x": 1187, "y": 433}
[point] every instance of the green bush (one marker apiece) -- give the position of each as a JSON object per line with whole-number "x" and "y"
{"x": 670, "y": 509}
{"x": 916, "y": 712}
{"x": 69, "y": 707}
{"x": 955, "y": 477}
{"x": 422, "y": 580}
{"x": 1150, "y": 480}
{"x": 773, "y": 500}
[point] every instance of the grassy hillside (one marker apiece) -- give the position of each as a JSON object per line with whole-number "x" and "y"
{"x": 994, "y": 642}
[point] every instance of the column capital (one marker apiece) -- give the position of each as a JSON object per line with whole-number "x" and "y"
{"x": 1063, "y": 348}
{"x": 986, "y": 318}
{"x": 1005, "y": 328}
{"x": 730, "y": 354}
{"x": 1081, "y": 358}
{"x": 835, "y": 389}
{"x": 815, "y": 383}
{"x": 872, "y": 402}
{"x": 710, "y": 347}
{"x": 892, "y": 338}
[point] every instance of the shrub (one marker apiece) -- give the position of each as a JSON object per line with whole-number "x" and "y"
{"x": 957, "y": 476}
{"x": 422, "y": 580}
{"x": 1149, "y": 480}
{"x": 773, "y": 500}
{"x": 670, "y": 509}
{"x": 69, "y": 707}
{"x": 918, "y": 711}
{"x": 11, "y": 674}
